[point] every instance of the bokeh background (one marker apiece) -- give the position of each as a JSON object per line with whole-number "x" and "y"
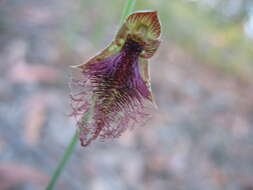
{"x": 201, "y": 138}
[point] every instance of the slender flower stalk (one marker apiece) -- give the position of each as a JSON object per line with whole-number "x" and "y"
{"x": 71, "y": 146}
{"x": 128, "y": 8}
{"x": 69, "y": 150}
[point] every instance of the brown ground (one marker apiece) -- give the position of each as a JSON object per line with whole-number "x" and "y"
{"x": 201, "y": 137}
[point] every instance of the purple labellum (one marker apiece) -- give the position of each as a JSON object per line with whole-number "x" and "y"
{"x": 114, "y": 91}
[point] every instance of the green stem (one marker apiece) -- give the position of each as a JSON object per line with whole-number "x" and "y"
{"x": 69, "y": 150}
{"x": 128, "y": 8}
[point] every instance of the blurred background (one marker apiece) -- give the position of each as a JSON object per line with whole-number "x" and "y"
{"x": 202, "y": 77}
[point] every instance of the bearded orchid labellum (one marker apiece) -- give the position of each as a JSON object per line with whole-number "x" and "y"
{"x": 114, "y": 91}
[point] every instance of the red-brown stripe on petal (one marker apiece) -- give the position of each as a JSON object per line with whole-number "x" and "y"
{"x": 145, "y": 18}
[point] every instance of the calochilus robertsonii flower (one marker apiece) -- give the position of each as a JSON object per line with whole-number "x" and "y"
{"x": 114, "y": 91}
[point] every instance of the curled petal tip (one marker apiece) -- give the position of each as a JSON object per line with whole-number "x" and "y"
{"x": 76, "y": 66}
{"x": 73, "y": 66}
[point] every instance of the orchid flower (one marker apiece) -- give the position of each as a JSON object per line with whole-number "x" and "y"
{"x": 114, "y": 89}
